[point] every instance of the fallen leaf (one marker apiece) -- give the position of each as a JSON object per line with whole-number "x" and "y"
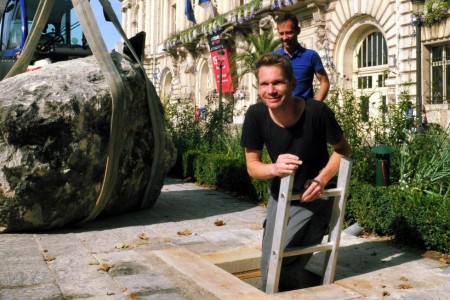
{"x": 184, "y": 232}
{"x": 45, "y": 250}
{"x": 255, "y": 227}
{"x": 143, "y": 236}
{"x": 403, "y": 278}
{"x": 219, "y": 223}
{"x": 110, "y": 293}
{"x": 385, "y": 293}
{"x": 444, "y": 260}
{"x": 123, "y": 289}
{"x": 132, "y": 295}
{"x": 122, "y": 246}
{"x": 49, "y": 258}
{"x": 404, "y": 286}
{"x": 105, "y": 267}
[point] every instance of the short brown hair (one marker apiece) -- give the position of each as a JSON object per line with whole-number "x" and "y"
{"x": 288, "y": 17}
{"x": 272, "y": 59}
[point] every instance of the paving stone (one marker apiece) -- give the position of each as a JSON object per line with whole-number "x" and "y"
{"x": 22, "y": 276}
{"x": 19, "y": 246}
{"x": 74, "y": 248}
{"x": 47, "y": 291}
{"x": 162, "y": 295}
{"x": 81, "y": 276}
{"x": 222, "y": 236}
{"x": 100, "y": 287}
{"x": 248, "y": 234}
{"x": 188, "y": 240}
{"x": 144, "y": 282}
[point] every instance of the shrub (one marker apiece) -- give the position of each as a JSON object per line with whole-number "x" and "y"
{"x": 224, "y": 172}
{"x": 413, "y": 217}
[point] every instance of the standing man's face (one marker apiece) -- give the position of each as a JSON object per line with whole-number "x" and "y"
{"x": 273, "y": 87}
{"x": 288, "y": 35}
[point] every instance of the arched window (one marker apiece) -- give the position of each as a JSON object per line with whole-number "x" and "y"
{"x": 373, "y": 51}
{"x": 371, "y": 67}
{"x": 167, "y": 86}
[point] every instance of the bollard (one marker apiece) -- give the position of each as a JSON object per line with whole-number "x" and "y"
{"x": 382, "y": 164}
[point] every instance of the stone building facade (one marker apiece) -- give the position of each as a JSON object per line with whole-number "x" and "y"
{"x": 369, "y": 46}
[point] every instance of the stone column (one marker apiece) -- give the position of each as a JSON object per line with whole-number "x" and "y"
{"x": 141, "y": 13}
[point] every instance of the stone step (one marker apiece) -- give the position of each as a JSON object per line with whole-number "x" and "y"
{"x": 209, "y": 277}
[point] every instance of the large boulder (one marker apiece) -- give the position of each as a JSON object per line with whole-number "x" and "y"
{"x": 54, "y": 128}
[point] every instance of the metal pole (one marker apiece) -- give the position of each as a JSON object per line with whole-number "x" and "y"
{"x": 220, "y": 88}
{"x": 418, "y": 72}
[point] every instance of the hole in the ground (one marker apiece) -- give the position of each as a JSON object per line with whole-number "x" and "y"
{"x": 245, "y": 264}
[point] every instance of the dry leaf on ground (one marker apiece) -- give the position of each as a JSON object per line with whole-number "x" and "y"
{"x": 184, "y": 232}
{"x": 404, "y": 286}
{"x": 122, "y": 246}
{"x": 386, "y": 293}
{"x": 255, "y": 227}
{"x": 143, "y": 236}
{"x": 49, "y": 258}
{"x": 403, "y": 278}
{"x": 219, "y": 222}
{"x": 132, "y": 296}
{"x": 105, "y": 267}
{"x": 444, "y": 260}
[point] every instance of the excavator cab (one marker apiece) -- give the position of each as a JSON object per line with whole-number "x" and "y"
{"x": 61, "y": 39}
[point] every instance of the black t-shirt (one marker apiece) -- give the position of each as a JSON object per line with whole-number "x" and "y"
{"x": 307, "y": 138}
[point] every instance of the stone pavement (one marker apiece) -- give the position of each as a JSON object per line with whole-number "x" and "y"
{"x": 176, "y": 250}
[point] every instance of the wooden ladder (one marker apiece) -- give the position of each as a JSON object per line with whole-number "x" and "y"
{"x": 338, "y": 195}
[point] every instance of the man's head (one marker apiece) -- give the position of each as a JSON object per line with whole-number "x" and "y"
{"x": 288, "y": 31}
{"x": 275, "y": 79}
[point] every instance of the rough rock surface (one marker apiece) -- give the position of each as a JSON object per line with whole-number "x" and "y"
{"x": 54, "y": 126}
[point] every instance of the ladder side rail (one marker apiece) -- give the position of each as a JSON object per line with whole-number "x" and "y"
{"x": 337, "y": 220}
{"x": 279, "y": 234}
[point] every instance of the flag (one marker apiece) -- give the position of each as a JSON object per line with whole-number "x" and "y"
{"x": 207, "y": 5}
{"x": 189, "y": 12}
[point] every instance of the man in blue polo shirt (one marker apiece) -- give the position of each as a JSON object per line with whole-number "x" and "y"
{"x": 305, "y": 62}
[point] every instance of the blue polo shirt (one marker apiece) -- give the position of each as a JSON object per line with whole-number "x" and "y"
{"x": 306, "y": 63}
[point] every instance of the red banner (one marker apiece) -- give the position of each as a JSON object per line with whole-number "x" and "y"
{"x": 227, "y": 82}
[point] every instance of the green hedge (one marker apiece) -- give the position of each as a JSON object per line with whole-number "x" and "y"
{"x": 413, "y": 217}
{"x": 224, "y": 172}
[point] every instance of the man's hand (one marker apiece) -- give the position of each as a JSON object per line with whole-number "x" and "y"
{"x": 313, "y": 190}
{"x": 286, "y": 164}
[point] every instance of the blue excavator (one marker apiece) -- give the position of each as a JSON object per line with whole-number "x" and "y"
{"x": 57, "y": 30}
{"x": 61, "y": 37}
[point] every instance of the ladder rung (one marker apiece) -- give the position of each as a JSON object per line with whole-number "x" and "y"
{"x": 308, "y": 249}
{"x": 326, "y": 193}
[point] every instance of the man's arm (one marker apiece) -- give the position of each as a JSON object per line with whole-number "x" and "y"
{"x": 315, "y": 188}
{"x": 286, "y": 164}
{"x": 322, "y": 76}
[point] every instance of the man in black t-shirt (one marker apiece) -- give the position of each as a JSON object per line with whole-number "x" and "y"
{"x": 296, "y": 133}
